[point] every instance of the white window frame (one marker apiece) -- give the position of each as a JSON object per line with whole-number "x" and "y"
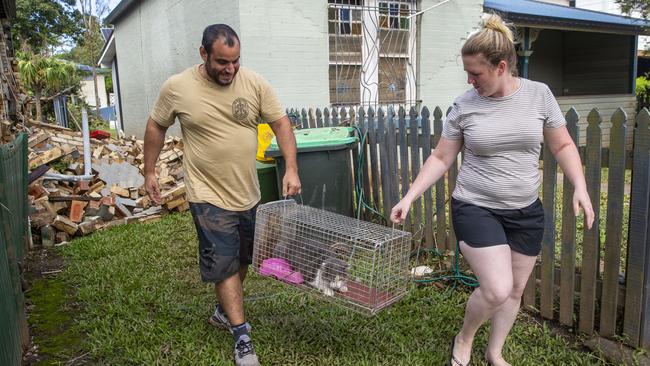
{"x": 370, "y": 48}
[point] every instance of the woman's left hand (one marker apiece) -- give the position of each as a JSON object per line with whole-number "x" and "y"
{"x": 581, "y": 198}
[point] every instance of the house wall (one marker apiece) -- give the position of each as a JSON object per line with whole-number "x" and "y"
{"x": 610, "y": 6}
{"x": 289, "y": 47}
{"x": 443, "y": 31}
{"x": 597, "y": 63}
{"x": 88, "y": 90}
{"x": 607, "y": 105}
{"x": 545, "y": 64}
{"x": 156, "y": 39}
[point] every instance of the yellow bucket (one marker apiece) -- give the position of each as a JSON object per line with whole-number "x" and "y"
{"x": 264, "y": 136}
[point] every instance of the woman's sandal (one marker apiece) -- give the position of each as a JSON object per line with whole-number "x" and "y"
{"x": 453, "y": 361}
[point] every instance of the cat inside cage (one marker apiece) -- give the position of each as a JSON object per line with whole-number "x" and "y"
{"x": 351, "y": 261}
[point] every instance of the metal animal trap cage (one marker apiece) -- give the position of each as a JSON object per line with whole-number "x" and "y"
{"x": 361, "y": 265}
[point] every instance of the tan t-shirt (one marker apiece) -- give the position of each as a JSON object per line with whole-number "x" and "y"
{"x": 219, "y": 127}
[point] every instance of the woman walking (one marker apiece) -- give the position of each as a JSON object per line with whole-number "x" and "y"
{"x": 497, "y": 215}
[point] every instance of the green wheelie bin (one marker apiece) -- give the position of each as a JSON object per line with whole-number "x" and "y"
{"x": 268, "y": 184}
{"x": 324, "y": 166}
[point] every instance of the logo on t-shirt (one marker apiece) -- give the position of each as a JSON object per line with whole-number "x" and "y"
{"x": 240, "y": 109}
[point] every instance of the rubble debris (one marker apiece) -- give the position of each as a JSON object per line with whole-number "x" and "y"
{"x": 122, "y": 174}
{"x": 62, "y": 209}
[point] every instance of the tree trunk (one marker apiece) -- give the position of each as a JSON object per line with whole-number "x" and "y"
{"x": 97, "y": 101}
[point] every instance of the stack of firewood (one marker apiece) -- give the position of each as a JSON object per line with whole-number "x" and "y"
{"x": 62, "y": 209}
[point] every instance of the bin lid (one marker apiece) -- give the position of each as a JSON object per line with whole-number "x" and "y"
{"x": 320, "y": 138}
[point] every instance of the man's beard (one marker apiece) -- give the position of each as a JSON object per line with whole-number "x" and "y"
{"x": 214, "y": 75}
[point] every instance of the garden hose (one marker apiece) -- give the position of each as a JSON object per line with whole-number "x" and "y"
{"x": 457, "y": 276}
{"x": 358, "y": 181}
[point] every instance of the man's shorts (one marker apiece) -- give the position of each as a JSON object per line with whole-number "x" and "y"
{"x": 522, "y": 229}
{"x": 225, "y": 240}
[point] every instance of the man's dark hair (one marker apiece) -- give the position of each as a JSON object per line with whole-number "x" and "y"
{"x": 218, "y": 31}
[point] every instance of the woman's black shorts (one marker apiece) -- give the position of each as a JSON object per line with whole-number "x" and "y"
{"x": 522, "y": 229}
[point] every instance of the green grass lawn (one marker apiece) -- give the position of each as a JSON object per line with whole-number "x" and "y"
{"x": 131, "y": 295}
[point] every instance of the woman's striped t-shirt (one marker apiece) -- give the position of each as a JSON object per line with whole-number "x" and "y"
{"x": 502, "y": 142}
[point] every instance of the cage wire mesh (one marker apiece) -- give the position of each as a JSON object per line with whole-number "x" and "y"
{"x": 360, "y": 265}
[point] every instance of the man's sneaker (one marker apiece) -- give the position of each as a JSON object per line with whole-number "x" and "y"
{"x": 245, "y": 353}
{"x": 220, "y": 320}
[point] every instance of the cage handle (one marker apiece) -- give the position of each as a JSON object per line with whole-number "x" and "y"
{"x": 302, "y": 202}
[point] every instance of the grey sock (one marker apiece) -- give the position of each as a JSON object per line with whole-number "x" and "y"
{"x": 239, "y": 330}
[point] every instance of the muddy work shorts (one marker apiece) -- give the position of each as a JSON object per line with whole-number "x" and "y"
{"x": 225, "y": 240}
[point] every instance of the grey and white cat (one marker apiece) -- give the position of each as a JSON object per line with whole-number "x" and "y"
{"x": 322, "y": 266}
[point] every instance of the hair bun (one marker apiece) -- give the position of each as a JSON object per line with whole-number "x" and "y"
{"x": 496, "y": 23}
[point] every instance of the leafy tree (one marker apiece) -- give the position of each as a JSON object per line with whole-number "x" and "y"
{"x": 630, "y": 6}
{"x": 91, "y": 31}
{"x": 108, "y": 84}
{"x": 43, "y": 25}
{"x": 86, "y": 51}
{"x": 44, "y": 76}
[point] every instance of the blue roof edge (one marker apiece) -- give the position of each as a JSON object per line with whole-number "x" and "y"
{"x": 553, "y": 14}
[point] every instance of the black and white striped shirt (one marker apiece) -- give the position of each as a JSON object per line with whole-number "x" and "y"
{"x": 502, "y": 142}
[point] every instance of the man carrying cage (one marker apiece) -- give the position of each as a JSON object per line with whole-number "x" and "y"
{"x": 218, "y": 106}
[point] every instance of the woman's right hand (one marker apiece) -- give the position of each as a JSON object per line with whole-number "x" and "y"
{"x": 400, "y": 211}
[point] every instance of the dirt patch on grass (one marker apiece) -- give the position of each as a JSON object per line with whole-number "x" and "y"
{"x": 50, "y": 306}
{"x": 42, "y": 263}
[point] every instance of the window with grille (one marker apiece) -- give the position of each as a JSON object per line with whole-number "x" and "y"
{"x": 372, "y": 52}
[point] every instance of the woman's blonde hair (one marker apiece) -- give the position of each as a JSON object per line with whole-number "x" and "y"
{"x": 495, "y": 41}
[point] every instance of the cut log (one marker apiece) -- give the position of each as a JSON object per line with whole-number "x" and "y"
{"x": 95, "y": 195}
{"x": 152, "y": 218}
{"x": 167, "y": 180}
{"x": 134, "y": 193}
{"x": 96, "y": 187}
{"x": 98, "y": 152}
{"x": 184, "y": 207}
{"x": 37, "y": 139}
{"x": 36, "y": 191}
{"x": 64, "y": 224}
{"x": 172, "y": 194}
{"x": 125, "y": 201}
{"x": 123, "y": 210}
{"x": 106, "y": 212}
{"x": 143, "y": 202}
{"x": 81, "y": 186}
{"x": 123, "y": 192}
{"x": 86, "y": 227}
{"x": 46, "y": 157}
{"x": 175, "y": 202}
{"x": 116, "y": 223}
{"x": 108, "y": 200}
{"x": 42, "y": 218}
{"x": 94, "y": 204}
{"x": 59, "y": 206}
{"x": 77, "y": 210}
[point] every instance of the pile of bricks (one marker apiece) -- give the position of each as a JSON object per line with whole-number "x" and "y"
{"x": 115, "y": 195}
